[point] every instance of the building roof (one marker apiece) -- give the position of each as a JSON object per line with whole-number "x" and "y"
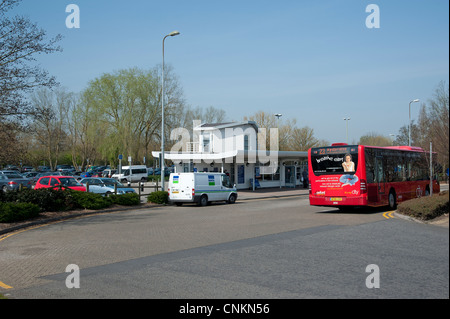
{"x": 216, "y": 126}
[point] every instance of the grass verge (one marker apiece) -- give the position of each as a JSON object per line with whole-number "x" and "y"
{"x": 426, "y": 208}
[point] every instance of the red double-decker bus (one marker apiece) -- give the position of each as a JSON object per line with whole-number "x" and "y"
{"x": 346, "y": 176}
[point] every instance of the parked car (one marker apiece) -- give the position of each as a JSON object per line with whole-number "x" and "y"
{"x": 39, "y": 175}
{"x": 26, "y": 169}
{"x": 10, "y": 182}
{"x": 9, "y": 172}
{"x": 59, "y": 181}
{"x": 157, "y": 171}
{"x": 105, "y": 186}
{"x": 63, "y": 167}
{"x": 44, "y": 168}
{"x": 30, "y": 174}
{"x": 11, "y": 168}
{"x": 109, "y": 172}
{"x": 134, "y": 173}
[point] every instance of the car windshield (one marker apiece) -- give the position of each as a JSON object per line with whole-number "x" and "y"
{"x": 69, "y": 182}
{"x": 112, "y": 182}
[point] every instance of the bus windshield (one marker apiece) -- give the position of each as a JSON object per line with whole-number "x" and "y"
{"x": 334, "y": 160}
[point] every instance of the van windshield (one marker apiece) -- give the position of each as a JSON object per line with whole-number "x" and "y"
{"x": 226, "y": 182}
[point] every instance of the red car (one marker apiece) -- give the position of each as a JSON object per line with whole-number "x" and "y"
{"x": 57, "y": 181}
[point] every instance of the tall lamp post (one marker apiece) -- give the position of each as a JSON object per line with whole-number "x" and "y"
{"x": 347, "y": 119}
{"x": 171, "y": 34}
{"x": 278, "y": 115}
{"x": 409, "y": 124}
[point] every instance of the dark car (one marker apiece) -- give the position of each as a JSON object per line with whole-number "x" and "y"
{"x": 9, "y": 182}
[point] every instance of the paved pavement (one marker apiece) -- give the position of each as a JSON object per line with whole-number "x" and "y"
{"x": 271, "y": 193}
{"x": 262, "y": 193}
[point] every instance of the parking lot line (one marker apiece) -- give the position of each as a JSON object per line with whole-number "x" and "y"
{"x": 5, "y": 286}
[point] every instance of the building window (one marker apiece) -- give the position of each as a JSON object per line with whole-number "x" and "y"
{"x": 245, "y": 142}
{"x": 206, "y": 144}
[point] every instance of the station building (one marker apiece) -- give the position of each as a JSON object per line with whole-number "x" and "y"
{"x": 232, "y": 148}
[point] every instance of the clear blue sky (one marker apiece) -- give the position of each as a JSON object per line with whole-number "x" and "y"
{"x": 315, "y": 61}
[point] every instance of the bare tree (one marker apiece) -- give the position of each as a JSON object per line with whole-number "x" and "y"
{"x": 21, "y": 41}
{"x": 374, "y": 139}
{"x": 439, "y": 122}
{"x": 49, "y": 122}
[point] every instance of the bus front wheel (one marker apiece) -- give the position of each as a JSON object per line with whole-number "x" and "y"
{"x": 392, "y": 200}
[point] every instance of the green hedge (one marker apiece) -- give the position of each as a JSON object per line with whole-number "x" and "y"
{"x": 28, "y": 203}
{"x": 426, "y": 208}
{"x": 89, "y": 200}
{"x": 14, "y": 212}
{"x": 158, "y": 197}
{"x": 128, "y": 199}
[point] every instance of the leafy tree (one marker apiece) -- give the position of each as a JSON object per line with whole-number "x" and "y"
{"x": 127, "y": 103}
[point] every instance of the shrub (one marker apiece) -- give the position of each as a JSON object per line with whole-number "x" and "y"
{"x": 14, "y": 212}
{"x": 128, "y": 199}
{"x": 47, "y": 199}
{"x": 426, "y": 208}
{"x": 158, "y": 197}
{"x": 89, "y": 200}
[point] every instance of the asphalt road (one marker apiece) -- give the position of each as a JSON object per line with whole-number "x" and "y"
{"x": 268, "y": 248}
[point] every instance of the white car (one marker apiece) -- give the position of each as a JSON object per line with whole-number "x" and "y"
{"x": 105, "y": 186}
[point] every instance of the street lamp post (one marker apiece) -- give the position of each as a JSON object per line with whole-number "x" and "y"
{"x": 347, "y": 119}
{"x": 409, "y": 124}
{"x": 278, "y": 115}
{"x": 171, "y": 34}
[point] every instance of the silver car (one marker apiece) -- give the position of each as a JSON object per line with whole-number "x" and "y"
{"x": 10, "y": 182}
{"x": 105, "y": 186}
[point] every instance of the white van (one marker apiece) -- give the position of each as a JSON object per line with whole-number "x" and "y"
{"x": 134, "y": 173}
{"x": 201, "y": 188}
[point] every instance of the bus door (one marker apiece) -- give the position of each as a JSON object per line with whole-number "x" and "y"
{"x": 379, "y": 176}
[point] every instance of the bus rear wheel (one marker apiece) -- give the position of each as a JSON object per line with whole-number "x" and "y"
{"x": 392, "y": 200}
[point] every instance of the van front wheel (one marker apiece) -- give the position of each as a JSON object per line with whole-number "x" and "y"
{"x": 231, "y": 199}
